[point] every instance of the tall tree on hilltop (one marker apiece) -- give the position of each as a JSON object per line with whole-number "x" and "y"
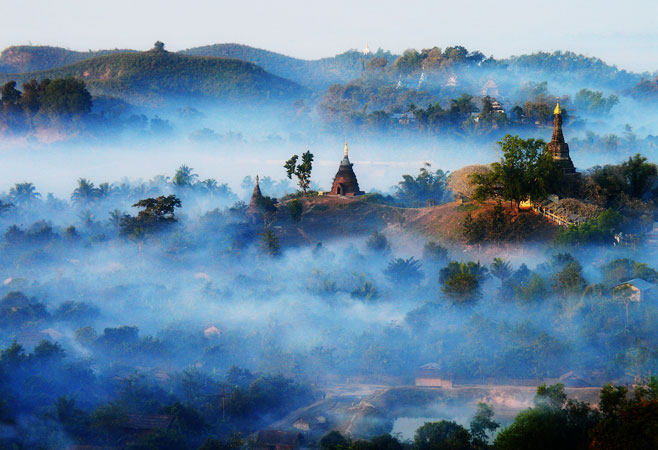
{"x": 302, "y": 171}
{"x": 526, "y": 171}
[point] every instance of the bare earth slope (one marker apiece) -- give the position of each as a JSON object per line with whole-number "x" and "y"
{"x": 335, "y": 217}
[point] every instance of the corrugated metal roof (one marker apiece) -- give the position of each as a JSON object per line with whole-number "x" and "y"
{"x": 638, "y": 283}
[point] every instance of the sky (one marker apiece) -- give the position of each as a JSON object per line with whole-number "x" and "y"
{"x": 621, "y": 33}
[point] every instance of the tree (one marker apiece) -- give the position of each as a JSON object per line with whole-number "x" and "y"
{"x": 10, "y": 95}
{"x": 161, "y": 439}
{"x": 184, "y": 177}
{"x": 461, "y": 281}
{"x": 598, "y": 230}
{"x": 4, "y": 206}
{"x": 569, "y": 281}
{"x": 211, "y": 443}
{"x": 443, "y": 435}
{"x": 627, "y": 422}
{"x": 24, "y": 194}
{"x": 554, "y": 422}
{"x": 640, "y": 175}
{"x": 404, "y": 271}
{"x": 301, "y": 171}
{"x": 635, "y": 177}
{"x": 157, "y": 214}
{"x": 295, "y": 207}
{"x": 270, "y": 243}
{"x": 85, "y": 193}
{"x": 333, "y": 441}
{"x": 427, "y": 188}
{"x": 526, "y": 171}
{"x": 158, "y": 46}
{"x": 501, "y": 269}
{"x": 108, "y": 420}
{"x": 64, "y": 97}
{"x": 377, "y": 242}
{"x": 593, "y": 102}
{"x": 473, "y": 229}
{"x": 435, "y": 252}
{"x": 32, "y": 97}
{"x": 482, "y": 425}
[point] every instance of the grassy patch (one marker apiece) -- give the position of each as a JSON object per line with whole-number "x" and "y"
{"x": 466, "y": 207}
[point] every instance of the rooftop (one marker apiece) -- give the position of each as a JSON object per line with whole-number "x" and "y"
{"x": 638, "y": 283}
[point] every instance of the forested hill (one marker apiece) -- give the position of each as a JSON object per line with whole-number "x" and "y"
{"x": 573, "y": 65}
{"x": 157, "y": 75}
{"x": 319, "y": 74}
{"x": 29, "y": 58}
{"x": 315, "y": 74}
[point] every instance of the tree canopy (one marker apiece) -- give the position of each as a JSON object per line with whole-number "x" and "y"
{"x": 525, "y": 171}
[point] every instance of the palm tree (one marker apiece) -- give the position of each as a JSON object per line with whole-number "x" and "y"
{"x": 404, "y": 271}
{"x": 158, "y": 184}
{"x": 140, "y": 190}
{"x": 210, "y": 185}
{"x": 85, "y": 193}
{"x": 184, "y": 176}
{"x": 115, "y": 218}
{"x": 501, "y": 269}
{"x": 24, "y": 194}
{"x": 105, "y": 190}
{"x": 124, "y": 189}
{"x": 86, "y": 217}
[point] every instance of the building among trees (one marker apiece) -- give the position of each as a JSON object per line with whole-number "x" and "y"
{"x": 432, "y": 375}
{"x": 254, "y": 208}
{"x": 635, "y": 290}
{"x": 558, "y": 148}
{"x": 259, "y": 205}
{"x": 345, "y": 182}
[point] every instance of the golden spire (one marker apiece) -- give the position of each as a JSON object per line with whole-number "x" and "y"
{"x": 557, "y": 107}
{"x": 345, "y": 153}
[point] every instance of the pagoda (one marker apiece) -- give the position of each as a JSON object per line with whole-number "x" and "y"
{"x": 345, "y": 182}
{"x": 255, "y": 209}
{"x": 558, "y": 148}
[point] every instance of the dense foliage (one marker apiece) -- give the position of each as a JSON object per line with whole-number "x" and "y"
{"x": 526, "y": 171}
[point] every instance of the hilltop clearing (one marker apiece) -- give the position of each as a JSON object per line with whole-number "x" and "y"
{"x": 336, "y": 217}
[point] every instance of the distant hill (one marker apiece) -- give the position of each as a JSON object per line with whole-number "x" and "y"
{"x": 315, "y": 74}
{"x": 30, "y": 58}
{"x": 572, "y": 67}
{"x": 156, "y": 75}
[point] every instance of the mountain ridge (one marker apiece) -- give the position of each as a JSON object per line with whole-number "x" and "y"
{"x": 153, "y": 76}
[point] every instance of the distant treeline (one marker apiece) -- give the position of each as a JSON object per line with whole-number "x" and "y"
{"x": 363, "y": 107}
{"x": 44, "y": 102}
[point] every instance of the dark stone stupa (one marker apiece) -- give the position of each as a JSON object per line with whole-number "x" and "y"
{"x": 255, "y": 210}
{"x": 345, "y": 182}
{"x": 558, "y": 148}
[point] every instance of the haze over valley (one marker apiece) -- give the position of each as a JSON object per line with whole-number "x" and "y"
{"x": 226, "y": 247}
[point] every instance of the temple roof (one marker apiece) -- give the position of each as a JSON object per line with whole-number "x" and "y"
{"x": 557, "y": 109}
